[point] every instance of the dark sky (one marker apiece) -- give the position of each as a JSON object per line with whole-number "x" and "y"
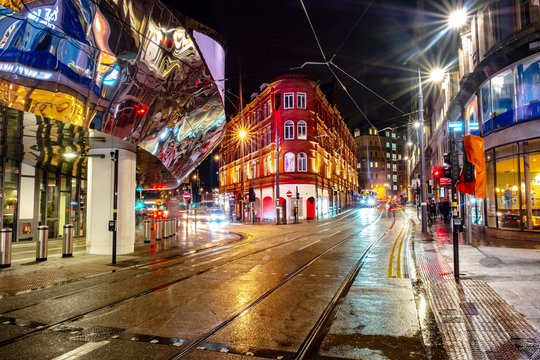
{"x": 268, "y": 38}
{"x": 371, "y": 40}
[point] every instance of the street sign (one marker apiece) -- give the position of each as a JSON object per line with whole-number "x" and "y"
{"x": 289, "y": 193}
{"x": 445, "y": 181}
{"x": 187, "y": 196}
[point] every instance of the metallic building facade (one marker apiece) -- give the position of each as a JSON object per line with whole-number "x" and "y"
{"x": 135, "y": 70}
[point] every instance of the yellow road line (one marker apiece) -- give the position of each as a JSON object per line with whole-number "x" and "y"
{"x": 398, "y": 266}
{"x": 392, "y": 254}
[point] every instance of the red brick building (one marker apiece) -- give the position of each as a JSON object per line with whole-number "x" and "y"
{"x": 317, "y": 161}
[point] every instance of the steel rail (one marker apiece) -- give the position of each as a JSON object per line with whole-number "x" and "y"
{"x": 315, "y": 336}
{"x": 146, "y": 292}
{"x": 216, "y": 328}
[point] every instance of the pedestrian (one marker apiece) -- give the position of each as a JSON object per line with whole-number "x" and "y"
{"x": 446, "y": 210}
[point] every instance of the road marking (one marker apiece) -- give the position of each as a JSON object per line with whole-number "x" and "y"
{"x": 308, "y": 245}
{"x": 392, "y": 254}
{"x": 398, "y": 265}
{"x": 81, "y": 350}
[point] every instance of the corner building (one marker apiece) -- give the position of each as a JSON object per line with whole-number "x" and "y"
{"x": 494, "y": 93}
{"x": 317, "y": 156}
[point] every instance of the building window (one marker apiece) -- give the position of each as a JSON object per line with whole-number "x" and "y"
{"x": 289, "y": 130}
{"x": 376, "y": 164}
{"x": 356, "y": 133}
{"x": 265, "y": 111}
{"x": 289, "y": 162}
{"x": 395, "y": 187}
{"x": 387, "y": 144}
{"x": 394, "y": 178}
{"x": 399, "y": 157}
{"x": 358, "y": 165}
{"x": 301, "y": 100}
{"x": 302, "y": 162}
{"x": 388, "y": 165}
{"x": 370, "y": 131}
{"x": 394, "y": 146}
{"x": 528, "y": 92}
{"x": 387, "y": 134}
{"x": 394, "y": 135}
{"x": 388, "y": 155}
{"x": 388, "y": 176}
{"x": 394, "y": 167}
{"x": 370, "y": 164}
{"x": 288, "y": 100}
{"x": 269, "y": 107}
{"x": 301, "y": 131}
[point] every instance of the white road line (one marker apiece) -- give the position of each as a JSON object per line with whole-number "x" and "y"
{"x": 81, "y": 350}
{"x": 308, "y": 245}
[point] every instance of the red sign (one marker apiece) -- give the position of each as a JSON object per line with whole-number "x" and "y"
{"x": 446, "y": 181}
{"x": 159, "y": 186}
{"x": 186, "y": 196}
{"x": 289, "y": 193}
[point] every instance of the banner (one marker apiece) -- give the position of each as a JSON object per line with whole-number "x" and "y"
{"x": 474, "y": 149}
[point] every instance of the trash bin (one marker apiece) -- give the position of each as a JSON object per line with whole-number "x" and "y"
{"x": 5, "y": 247}
{"x": 158, "y": 231}
{"x": 147, "y": 231}
{"x": 67, "y": 243}
{"x": 42, "y": 242}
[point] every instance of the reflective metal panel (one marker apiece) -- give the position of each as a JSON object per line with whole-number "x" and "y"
{"x": 127, "y": 68}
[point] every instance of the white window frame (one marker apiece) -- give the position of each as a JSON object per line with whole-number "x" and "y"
{"x": 302, "y": 162}
{"x": 301, "y": 100}
{"x": 301, "y": 134}
{"x": 288, "y": 162}
{"x": 288, "y": 100}
{"x": 288, "y": 130}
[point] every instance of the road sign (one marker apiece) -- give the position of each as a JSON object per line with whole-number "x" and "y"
{"x": 187, "y": 196}
{"x": 289, "y": 193}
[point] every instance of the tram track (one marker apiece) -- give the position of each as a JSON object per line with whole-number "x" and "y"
{"x": 314, "y": 336}
{"x": 184, "y": 257}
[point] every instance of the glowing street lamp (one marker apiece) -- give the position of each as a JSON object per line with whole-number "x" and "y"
{"x": 457, "y": 19}
{"x": 242, "y": 134}
{"x": 437, "y": 75}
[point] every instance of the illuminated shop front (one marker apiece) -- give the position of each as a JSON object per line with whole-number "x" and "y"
{"x": 510, "y": 108}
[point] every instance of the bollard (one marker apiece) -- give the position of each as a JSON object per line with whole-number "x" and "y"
{"x": 158, "y": 232}
{"x": 147, "y": 230}
{"x": 67, "y": 242}
{"x": 5, "y": 247}
{"x": 42, "y": 242}
{"x": 173, "y": 227}
{"x": 165, "y": 228}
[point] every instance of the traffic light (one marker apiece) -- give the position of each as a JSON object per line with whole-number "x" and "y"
{"x": 437, "y": 172}
{"x": 140, "y": 110}
{"x": 454, "y": 165}
{"x": 468, "y": 171}
{"x": 447, "y": 166}
{"x": 251, "y": 195}
{"x": 195, "y": 193}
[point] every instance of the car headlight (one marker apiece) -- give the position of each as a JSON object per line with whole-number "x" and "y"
{"x": 371, "y": 202}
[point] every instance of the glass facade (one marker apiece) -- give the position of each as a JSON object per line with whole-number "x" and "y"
{"x": 512, "y": 95}
{"x": 513, "y": 185}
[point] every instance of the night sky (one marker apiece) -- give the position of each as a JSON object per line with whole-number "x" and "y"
{"x": 372, "y": 41}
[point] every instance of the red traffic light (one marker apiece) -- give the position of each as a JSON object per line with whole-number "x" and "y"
{"x": 140, "y": 109}
{"x": 437, "y": 172}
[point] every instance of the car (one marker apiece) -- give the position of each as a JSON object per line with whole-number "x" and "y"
{"x": 216, "y": 215}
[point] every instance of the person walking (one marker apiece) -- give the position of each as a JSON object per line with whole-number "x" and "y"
{"x": 445, "y": 207}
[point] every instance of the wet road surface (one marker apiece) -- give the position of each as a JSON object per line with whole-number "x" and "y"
{"x": 260, "y": 296}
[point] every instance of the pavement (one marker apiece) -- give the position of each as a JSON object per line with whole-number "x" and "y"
{"x": 491, "y": 312}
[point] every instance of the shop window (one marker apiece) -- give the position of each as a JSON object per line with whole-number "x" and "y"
{"x": 485, "y": 96}
{"x": 530, "y": 184}
{"x": 289, "y": 130}
{"x": 289, "y": 162}
{"x": 528, "y": 90}
{"x": 507, "y": 188}
{"x": 502, "y": 94}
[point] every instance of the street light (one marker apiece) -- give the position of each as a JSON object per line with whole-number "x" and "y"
{"x": 437, "y": 75}
{"x": 457, "y": 19}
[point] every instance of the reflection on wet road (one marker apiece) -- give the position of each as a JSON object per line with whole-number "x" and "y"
{"x": 261, "y": 295}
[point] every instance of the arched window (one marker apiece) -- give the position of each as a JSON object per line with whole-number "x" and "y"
{"x": 302, "y": 162}
{"x": 289, "y": 130}
{"x": 289, "y": 162}
{"x": 301, "y": 130}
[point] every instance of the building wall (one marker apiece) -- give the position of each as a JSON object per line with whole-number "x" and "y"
{"x": 328, "y": 146}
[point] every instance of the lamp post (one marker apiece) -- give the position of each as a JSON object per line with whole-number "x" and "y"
{"x": 420, "y": 133}
{"x": 242, "y": 134}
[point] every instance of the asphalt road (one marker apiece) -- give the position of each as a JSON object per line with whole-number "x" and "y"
{"x": 278, "y": 293}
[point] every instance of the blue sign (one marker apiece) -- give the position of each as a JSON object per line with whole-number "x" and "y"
{"x": 456, "y": 126}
